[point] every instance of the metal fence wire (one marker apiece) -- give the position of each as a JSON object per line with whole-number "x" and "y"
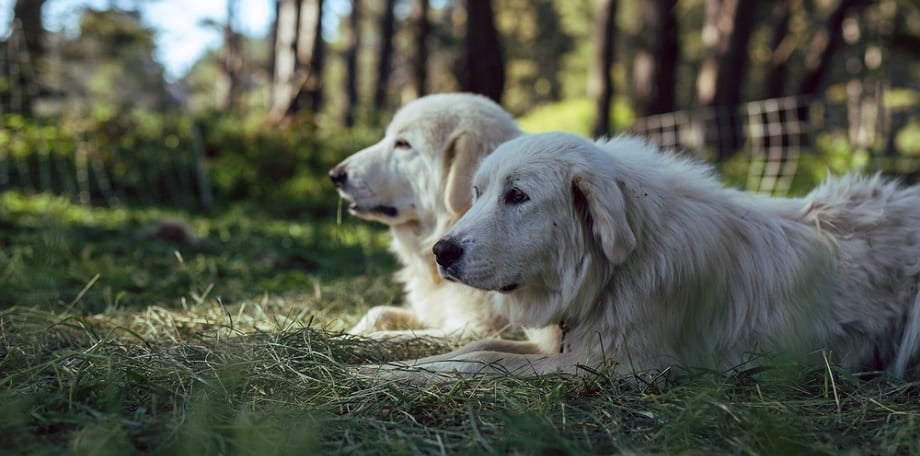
{"x": 772, "y": 135}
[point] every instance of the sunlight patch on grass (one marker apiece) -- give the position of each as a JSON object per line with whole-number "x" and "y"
{"x": 573, "y": 116}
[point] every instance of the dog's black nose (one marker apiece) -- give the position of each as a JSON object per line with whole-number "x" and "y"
{"x": 447, "y": 252}
{"x": 338, "y": 175}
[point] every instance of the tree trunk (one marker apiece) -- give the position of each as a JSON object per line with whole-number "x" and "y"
{"x": 726, "y": 35}
{"x": 823, "y": 45}
{"x": 284, "y": 58}
{"x": 549, "y": 45}
{"x": 655, "y": 63}
{"x": 780, "y": 49}
{"x": 719, "y": 84}
{"x": 385, "y": 62}
{"x": 231, "y": 61}
{"x": 311, "y": 53}
{"x": 26, "y": 58}
{"x": 351, "y": 63}
{"x": 28, "y": 13}
{"x": 298, "y": 59}
{"x": 420, "y": 60}
{"x": 273, "y": 39}
{"x": 483, "y": 68}
{"x": 600, "y": 84}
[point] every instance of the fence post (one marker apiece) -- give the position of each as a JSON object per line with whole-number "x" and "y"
{"x": 204, "y": 183}
{"x": 81, "y": 162}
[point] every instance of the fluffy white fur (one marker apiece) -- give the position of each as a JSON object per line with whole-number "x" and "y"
{"x": 651, "y": 263}
{"x": 417, "y": 180}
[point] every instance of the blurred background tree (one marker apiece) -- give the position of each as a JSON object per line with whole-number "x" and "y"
{"x": 482, "y": 67}
{"x": 600, "y": 85}
{"x": 657, "y": 54}
{"x": 109, "y": 68}
{"x": 298, "y": 60}
{"x": 28, "y": 53}
{"x": 790, "y": 84}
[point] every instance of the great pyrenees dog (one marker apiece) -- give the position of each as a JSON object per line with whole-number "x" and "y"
{"x": 645, "y": 261}
{"x": 417, "y": 181}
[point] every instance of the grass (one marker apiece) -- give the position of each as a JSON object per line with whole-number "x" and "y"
{"x": 52, "y": 250}
{"x": 116, "y": 342}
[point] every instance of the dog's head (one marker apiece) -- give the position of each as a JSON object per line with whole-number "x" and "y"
{"x": 543, "y": 206}
{"x": 423, "y": 165}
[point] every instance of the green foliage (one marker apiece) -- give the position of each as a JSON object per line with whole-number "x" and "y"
{"x": 144, "y": 158}
{"x": 106, "y": 71}
{"x": 132, "y": 158}
{"x": 283, "y": 169}
{"x": 907, "y": 140}
{"x": 535, "y": 42}
{"x": 203, "y": 94}
{"x": 573, "y": 116}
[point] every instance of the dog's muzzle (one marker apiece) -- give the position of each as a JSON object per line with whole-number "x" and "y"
{"x": 338, "y": 176}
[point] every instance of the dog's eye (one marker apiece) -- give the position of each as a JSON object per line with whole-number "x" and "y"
{"x": 515, "y": 196}
{"x": 476, "y": 192}
{"x": 402, "y": 144}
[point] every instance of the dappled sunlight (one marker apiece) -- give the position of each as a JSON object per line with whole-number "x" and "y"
{"x": 221, "y": 380}
{"x": 178, "y": 272}
{"x": 69, "y": 257}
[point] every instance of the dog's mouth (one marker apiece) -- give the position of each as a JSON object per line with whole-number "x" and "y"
{"x": 447, "y": 274}
{"x": 356, "y": 209}
{"x": 450, "y": 275}
{"x": 386, "y": 211}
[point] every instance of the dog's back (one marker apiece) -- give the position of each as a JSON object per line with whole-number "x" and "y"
{"x": 875, "y": 226}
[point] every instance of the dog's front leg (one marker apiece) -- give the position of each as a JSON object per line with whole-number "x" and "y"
{"x": 494, "y": 345}
{"x": 460, "y": 364}
{"x": 384, "y": 318}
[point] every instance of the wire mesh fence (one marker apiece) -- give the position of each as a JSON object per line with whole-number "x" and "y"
{"x": 89, "y": 160}
{"x": 772, "y": 135}
{"x": 91, "y": 168}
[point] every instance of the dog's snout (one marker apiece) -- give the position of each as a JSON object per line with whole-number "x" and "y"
{"x": 338, "y": 175}
{"x": 447, "y": 251}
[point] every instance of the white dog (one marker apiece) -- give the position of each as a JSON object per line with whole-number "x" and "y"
{"x": 417, "y": 180}
{"x": 647, "y": 262}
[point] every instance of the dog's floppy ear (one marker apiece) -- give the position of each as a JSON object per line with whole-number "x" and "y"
{"x": 461, "y": 158}
{"x": 602, "y": 207}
